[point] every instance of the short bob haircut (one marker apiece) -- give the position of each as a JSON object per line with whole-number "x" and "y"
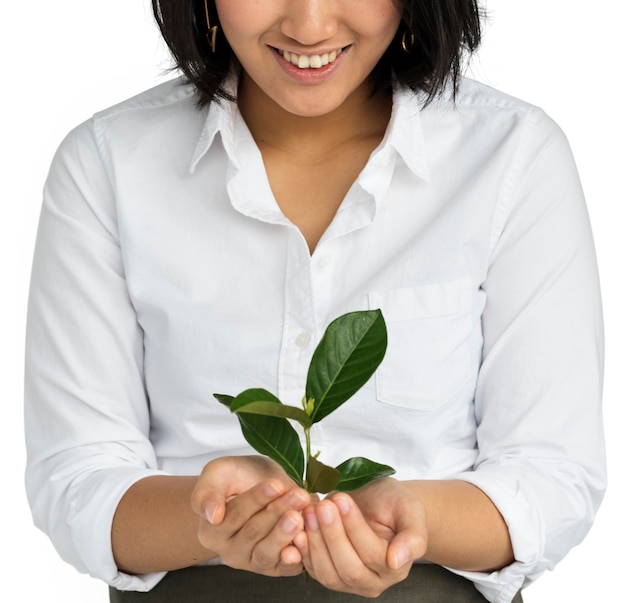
{"x": 443, "y": 33}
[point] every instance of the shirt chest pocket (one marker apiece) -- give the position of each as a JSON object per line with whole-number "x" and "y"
{"x": 428, "y": 359}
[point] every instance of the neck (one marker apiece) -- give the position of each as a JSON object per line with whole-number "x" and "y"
{"x": 362, "y": 115}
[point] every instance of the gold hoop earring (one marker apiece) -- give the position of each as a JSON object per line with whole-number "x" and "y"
{"x": 408, "y": 40}
{"x": 211, "y": 34}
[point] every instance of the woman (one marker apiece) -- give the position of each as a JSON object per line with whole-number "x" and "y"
{"x": 318, "y": 157}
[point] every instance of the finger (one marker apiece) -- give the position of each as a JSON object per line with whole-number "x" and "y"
{"x": 264, "y": 542}
{"x": 402, "y": 524}
{"x": 220, "y": 480}
{"x": 218, "y": 526}
{"x": 411, "y": 540}
{"x": 225, "y": 478}
{"x": 360, "y": 540}
{"x": 243, "y": 507}
{"x": 301, "y": 542}
{"x": 261, "y": 520}
{"x": 276, "y": 550}
{"x": 335, "y": 562}
{"x": 406, "y": 546}
{"x": 312, "y": 546}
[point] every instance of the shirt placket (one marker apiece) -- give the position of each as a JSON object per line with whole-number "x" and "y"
{"x": 299, "y": 324}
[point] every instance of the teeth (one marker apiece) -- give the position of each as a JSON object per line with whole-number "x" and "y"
{"x": 314, "y": 61}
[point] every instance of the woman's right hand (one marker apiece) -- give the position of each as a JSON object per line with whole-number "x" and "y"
{"x": 250, "y": 511}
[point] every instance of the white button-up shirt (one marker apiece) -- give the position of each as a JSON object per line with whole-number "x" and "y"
{"x": 165, "y": 271}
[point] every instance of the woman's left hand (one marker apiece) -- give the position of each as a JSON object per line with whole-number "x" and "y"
{"x": 365, "y": 542}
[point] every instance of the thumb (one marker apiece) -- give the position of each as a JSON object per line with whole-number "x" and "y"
{"x": 209, "y": 502}
{"x": 214, "y": 509}
{"x": 212, "y": 490}
{"x": 410, "y": 542}
{"x": 399, "y": 554}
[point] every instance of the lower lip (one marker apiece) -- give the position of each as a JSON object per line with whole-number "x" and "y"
{"x": 310, "y": 75}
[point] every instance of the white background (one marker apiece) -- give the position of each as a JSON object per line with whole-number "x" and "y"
{"x": 63, "y": 60}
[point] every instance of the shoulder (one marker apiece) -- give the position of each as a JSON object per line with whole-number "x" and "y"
{"x": 164, "y": 119}
{"x": 480, "y": 116}
{"x": 474, "y": 94}
{"x": 175, "y": 95}
{"x": 477, "y": 110}
{"x": 155, "y": 116}
{"x": 496, "y": 110}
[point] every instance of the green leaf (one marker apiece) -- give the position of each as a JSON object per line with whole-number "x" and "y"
{"x": 350, "y": 351}
{"x": 358, "y": 471}
{"x": 319, "y": 477}
{"x": 261, "y": 402}
{"x": 276, "y": 438}
{"x": 272, "y": 409}
{"x": 272, "y": 436}
{"x": 248, "y": 396}
{"x": 224, "y": 399}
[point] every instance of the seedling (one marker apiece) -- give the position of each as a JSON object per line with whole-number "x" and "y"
{"x": 346, "y": 357}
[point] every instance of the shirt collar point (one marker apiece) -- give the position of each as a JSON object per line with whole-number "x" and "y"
{"x": 407, "y": 137}
{"x": 219, "y": 118}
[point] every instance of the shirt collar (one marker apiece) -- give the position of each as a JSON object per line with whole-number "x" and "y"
{"x": 221, "y": 117}
{"x": 404, "y": 133}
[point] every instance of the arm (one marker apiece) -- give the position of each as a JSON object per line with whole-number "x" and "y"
{"x": 465, "y": 529}
{"x": 93, "y": 479}
{"x": 163, "y": 501}
{"x": 366, "y": 542}
{"x": 86, "y": 413}
{"x": 539, "y": 389}
{"x": 243, "y": 509}
{"x": 539, "y": 474}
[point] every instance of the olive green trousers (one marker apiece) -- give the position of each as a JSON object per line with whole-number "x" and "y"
{"x": 221, "y": 584}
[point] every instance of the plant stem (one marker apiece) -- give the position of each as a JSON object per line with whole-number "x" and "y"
{"x": 307, "y": 437}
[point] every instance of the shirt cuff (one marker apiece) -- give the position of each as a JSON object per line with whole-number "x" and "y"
{"x": 90, "y": 527}
{"x": 136, "y": 583}
{"x": 526, "y": 531}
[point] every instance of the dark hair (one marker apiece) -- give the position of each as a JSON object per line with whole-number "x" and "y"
{"x": 438, "y": 35}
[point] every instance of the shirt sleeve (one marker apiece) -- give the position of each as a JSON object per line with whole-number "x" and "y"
{"x": 86, "y": 412}
{"x": 538, "y": 396}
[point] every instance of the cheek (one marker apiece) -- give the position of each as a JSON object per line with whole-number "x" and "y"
{"x": 389, "y": 21}
{"x": 240, "y": 19}
{"x": 380, "y": 25}
{"x": 388, "y": 18}
{"x": 378, "y": 40}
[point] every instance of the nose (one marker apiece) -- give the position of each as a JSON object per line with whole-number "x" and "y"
{"x": 310, "y": 22}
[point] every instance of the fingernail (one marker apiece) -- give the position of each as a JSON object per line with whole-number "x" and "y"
{"x": 401, "y": 557}
{"x": 289, "y": 524}
{"x": 272, "y": 489}
{"x": 298, "y": 498}
{"x": 343, "y": 503}
{"x": 311, "y": 521}
{"x": 209, "y": 512}
{"x": 326, "y": 514}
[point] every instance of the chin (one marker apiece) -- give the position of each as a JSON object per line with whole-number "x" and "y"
{"x": 310, "y": 108}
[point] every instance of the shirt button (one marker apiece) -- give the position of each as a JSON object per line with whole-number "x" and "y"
{"x": 326, "y": 260}
{"x": 303, "y": 340}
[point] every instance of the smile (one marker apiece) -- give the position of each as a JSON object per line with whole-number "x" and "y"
{"x": 310, "y": 61}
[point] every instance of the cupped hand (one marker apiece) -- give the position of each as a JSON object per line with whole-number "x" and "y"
{"x": 365, "y": 542}
{"x": 250, "y": 511}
